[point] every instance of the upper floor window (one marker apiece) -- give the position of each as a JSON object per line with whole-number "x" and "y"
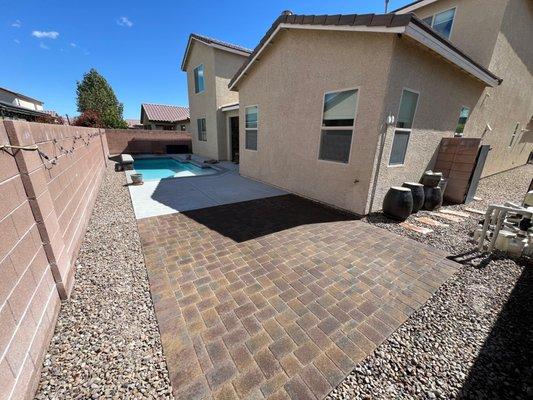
{"x": 251, "y": 115}
{"x": 463, "y": 117}
{"x": 199, "y": 85}
{"x": 442, "y": 22}
{"x": 338, "y": 118}
{"x": 404, "y": 124}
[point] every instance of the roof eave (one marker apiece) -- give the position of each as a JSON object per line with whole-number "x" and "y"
{"x": 415, "y": 5}
{"x": 213, "y": 45}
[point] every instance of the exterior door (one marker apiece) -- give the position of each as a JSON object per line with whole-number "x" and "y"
{"x": 234, "y": 131}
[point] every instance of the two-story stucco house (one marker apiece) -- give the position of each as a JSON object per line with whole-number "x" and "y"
{"x": 338, "y": 108}
{"x": 214, "y": 116}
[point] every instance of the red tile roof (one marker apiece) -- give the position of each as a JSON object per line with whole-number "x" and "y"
{"x": 164, "y": 113}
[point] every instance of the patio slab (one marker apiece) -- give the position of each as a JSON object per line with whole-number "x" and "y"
{"x": 168, "y": 196}
{"x": 278, "y": 297}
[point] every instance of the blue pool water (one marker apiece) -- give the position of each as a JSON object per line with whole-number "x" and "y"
{"x": 160, "y": 168}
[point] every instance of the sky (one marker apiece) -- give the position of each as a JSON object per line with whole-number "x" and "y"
{"x": 136, "y": 45}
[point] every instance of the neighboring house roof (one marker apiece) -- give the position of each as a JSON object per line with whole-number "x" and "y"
{"x": 22, "y": 96}
{"x": 4, "y": 106}
{"x": 413, "y": 6}
{"x": 407, "y": 24}
{"x": 165, "y": 113}
{"x": 219, "y": 44}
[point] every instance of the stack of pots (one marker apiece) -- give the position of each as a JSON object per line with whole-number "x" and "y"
{"x": 401, "y": 201}
{"x": 434, "y": 187}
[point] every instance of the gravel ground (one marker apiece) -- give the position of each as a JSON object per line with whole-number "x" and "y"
{"x": 106, "y": 343}
{"x": 474, "y": 338}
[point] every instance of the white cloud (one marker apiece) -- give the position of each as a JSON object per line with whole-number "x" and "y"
{"x": 73, "y": 44}
{"x": 45, "y": 34}
{"x": 16, "y": 24}
{"x": 16, "y": 41}
{"x": 124, "y": 21}
{"x": 43, "y": 46}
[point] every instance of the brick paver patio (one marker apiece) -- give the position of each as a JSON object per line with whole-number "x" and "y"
{"x": 278, "y": 298}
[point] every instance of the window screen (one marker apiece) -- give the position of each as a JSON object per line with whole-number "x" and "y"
{"x": 399, "y": 147}
{"x": 199, "y": 79}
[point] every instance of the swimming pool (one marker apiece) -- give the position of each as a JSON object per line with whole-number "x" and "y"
{"x": 160, "y": 168}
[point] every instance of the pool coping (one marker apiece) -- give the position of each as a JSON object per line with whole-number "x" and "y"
{"x": 177, "y": 157}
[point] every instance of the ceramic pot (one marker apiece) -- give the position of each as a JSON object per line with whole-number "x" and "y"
{"x": 417, "y": 191}
{"x": 431, "y": 179}
{"x": 432, "y": 198}
{"x": 137, "y": 179}
{"x": 398, "y": 203}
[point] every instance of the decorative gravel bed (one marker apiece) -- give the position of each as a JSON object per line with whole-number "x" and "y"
{"x": 106, "y": 343}
{"x": 474, "y": 338}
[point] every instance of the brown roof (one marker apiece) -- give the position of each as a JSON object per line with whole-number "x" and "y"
{"x": 361, "y": 20}
{"x": 164, "y": 113}
{"x": 210, "y": 41}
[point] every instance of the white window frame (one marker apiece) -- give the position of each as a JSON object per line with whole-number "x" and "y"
{"x": 194, "y": 78}
{"x": 251, "y": 129}
{"x": 513, "y": 136}
{"x": 408, "y": 130}
{"x": 443, "y": 11}
{"x": 198, "y": 133}
{"x": 338, "y": 128}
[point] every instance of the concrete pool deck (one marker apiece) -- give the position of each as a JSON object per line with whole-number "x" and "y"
{"x": 168, "y": 196}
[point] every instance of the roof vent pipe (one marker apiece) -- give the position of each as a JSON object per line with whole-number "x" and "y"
{"x": 287, "y": 12}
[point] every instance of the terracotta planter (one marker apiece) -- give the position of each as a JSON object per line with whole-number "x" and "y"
{"x": 417, "y": 191}
{"x": 137, "y": 179}
{"x": 433, "y": 198}
{"x": 398, "y": 203}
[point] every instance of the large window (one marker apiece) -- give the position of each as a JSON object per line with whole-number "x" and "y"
{"x": 250, "y": 127}
{"x": 442, "y": 22}
{"x": 404, "y": 125}
{"x": 338, "y": 118}
{"x": 199, "y": 79}
{"x": 202, "y": 133}
{"x": 463, "y": 117}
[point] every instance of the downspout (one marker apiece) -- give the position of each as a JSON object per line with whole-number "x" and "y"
{"x": 378, "y": 166}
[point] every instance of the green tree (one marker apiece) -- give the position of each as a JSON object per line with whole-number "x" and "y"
{"x": 96, "y": 95}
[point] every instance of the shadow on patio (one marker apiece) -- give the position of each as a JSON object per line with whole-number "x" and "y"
{"x": 503, "y": 366}
{"x": 248, "y": 220}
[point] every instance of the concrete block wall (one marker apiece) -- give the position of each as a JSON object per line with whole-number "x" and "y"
{"x": 136, "y": 141}
{"x": 44, "y": 209}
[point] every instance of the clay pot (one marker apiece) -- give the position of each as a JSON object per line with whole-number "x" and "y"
{"x": 417, "y": 191}
{"x": 431, "y": 179}
{"x": 398, "y": 203}
{"x": 432, "y": 198}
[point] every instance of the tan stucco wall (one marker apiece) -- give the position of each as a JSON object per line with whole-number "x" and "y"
{"x": 203, "y": 105}
{"x": 497, "y": 33}
{"x": 288, "y": 85}
{"x": 443, "y": 90}
{"x": 475, "y": 26}
{"x": 219, "y": 68}
{"x": 510, "y": 103}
